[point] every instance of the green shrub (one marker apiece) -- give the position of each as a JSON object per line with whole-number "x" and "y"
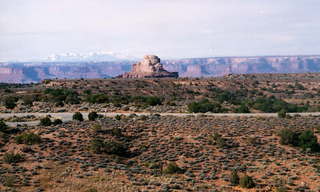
{"x": 11, "y": 158}
{"x": 118, "y": 117}
{"x": 9, "y": 180}
{"x": 153, "y": 101}
{"x": 234, "y": 178}
{"x": 45, "y": 121}
{"x": 92, "y": 190}
{"x": 116, "y": 132}
{"x": 246, "y": 182}
{"x": 10, "y": 102}
{"x": 173, "y": 168}
{"x": 77, "y": 116}
{"x": 57, "y": 122}
{"x": 243, "y": 109}
{"x": 205, "y": 106}
{"x": 289, "y": 137}
{"x": 109, "y": 147}
{"x": 62, "y": 96}
{"x": 307, "y": 140}
{"x": 282, "y": 114}
{"x": 92, "y": 116}
{"x": 217, "y": 139}
{"x": 98, "y": 98}
{"x": 96, "y": 128}
{"x": 3, "y": 126}
{"x": 28, "y": 138}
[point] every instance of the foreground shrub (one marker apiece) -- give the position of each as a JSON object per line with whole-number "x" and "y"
{"x": 234, "y": 178}
{"x": 246, "y": 182}
{"x": 10, "y": 102}
{"x": 28, "y": 138}
{"x": 12, "y": 158}
{"x": 109, "y": 147}
{"x": 173, "y": 168}
{"x": 77, "y": 116}
{"x": 92, "y": 116}
{"x": 217, "y": 139}
{"x": 3, "y": 126}
{"x": 305, "y": 140}
{"x": 45, "y": 121}
{"x": 57, "y": 122}
{"x": 282, "y": 114}
{"x": 289, "y": 137}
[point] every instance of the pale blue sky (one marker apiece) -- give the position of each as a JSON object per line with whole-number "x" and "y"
{"x": 31, "y": 29}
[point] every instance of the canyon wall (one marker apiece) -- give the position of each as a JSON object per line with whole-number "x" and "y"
{"x": 194, "y": 67}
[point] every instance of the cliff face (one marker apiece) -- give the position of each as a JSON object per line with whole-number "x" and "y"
{"x": 196, "y": 67}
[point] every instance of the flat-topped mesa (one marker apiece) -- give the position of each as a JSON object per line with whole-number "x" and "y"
{"x": 150, "y": 67}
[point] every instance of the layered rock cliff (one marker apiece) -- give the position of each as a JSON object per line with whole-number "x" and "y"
{"x": 195, "y": 67}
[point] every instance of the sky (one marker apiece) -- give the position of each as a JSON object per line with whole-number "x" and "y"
{"x": 32, "y": 29}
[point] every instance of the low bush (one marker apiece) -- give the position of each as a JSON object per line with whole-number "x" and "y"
{"x": 11, "y": 158}
{"x": 3, "y": 126}
{"x": 305, "y": 139}
{"x": 92, "y": 116}
{"x": 45, "y": 121}
{"x": 10, "y": 102}
{"x": 173, "y": 168}
{"x": 282, "y": 114}
{"x": 246, "y": 182}
{"x": 110, "y": 147}
{"x": 77, "y": 116}
{"x": 234, "y": 178}
{"x": 205, "y": 106}
{"x": 28, "y": 138}
{"x": 217, "y": 139}
{"x": 57, "y": 122}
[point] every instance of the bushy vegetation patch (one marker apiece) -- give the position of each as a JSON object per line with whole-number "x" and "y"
{"x": 204, "y": 106}
{"x": 305, "y": 139}
{"x": 173, "y": 168}
{"x": 109, "y": 147}
{"x": 77, "y": 116}
{"x": 11, "y": 158}
{"x": 28, "y": 138}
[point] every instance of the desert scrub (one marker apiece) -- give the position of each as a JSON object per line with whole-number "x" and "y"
{"x": 173, "y": 168}
{"x": 110, "y": 147}
{"x": 217, "y": 139}
{"x": 77, "y": 116}
{"x": 234, "y": 178}
{"x": 3, "y": 126}
{"x": 11, "y": 158}
{"x": 92, "y": 116}
{"x": 57, "y": 122}
{"x": 96, "y": 128}
{"x": 28, "y": 138}
{"x": 306, "y": 140}
{"x": 246, "y": 182}
{"x": 45, "y": 121}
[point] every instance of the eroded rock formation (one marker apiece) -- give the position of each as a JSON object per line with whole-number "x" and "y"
{"x": 150, "y": 67}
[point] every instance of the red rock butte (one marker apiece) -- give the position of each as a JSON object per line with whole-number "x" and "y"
{"x": 149, "y": 67}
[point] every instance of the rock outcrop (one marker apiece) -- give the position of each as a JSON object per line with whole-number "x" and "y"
{"x": 150, "y": 67}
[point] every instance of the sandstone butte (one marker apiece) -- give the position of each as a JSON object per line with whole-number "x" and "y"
{"x": 149, "y": 67}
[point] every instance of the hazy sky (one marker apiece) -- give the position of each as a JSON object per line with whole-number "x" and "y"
{"x": 168, "y": 28}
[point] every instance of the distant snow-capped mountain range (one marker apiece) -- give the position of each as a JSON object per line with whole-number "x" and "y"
{"x": 91, "y": 56}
